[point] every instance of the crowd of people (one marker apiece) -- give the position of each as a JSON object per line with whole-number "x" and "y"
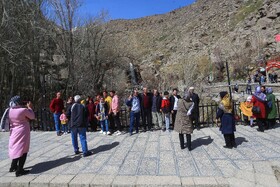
{"x": 158, "y": 112}
{"x": 260, "y": 106}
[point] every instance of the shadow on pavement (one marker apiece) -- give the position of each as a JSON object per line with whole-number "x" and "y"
{"x": 206, "y": 140}
{"x": 104, "y": 148}
{"x": 240, "y": 140}
{"x": 45, "y": 166}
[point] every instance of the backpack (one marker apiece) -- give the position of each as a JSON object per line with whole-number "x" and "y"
{"x": 5, "y": 123}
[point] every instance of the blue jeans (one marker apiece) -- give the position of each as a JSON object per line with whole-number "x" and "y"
{"x": 57, "y": 122}
{"x": 83, "y": 139}
{"x": 133, "y": 116}
{"x": 104, "y": 123}
{"x": 65, "y": 128}
{"x": 167, "y": 120}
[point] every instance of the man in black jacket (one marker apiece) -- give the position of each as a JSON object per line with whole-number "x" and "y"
{"x": 77, "y": 115}
{"x": 174, "y": 105}
{"x": 195, "y": 111}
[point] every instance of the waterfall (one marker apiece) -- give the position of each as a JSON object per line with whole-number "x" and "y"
{"x": 132, "y": 74}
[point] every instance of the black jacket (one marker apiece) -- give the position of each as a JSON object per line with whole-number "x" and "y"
{"x": 172, "y": 101}
{"x": 195, "y": 99}
{"x": 158, "y": 102}
{"x": 77, "y": 115}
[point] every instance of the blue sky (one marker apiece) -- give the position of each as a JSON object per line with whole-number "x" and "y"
{"x": 130, "y": 9}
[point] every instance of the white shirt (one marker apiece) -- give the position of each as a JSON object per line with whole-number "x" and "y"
{"x": 175, "y": 103}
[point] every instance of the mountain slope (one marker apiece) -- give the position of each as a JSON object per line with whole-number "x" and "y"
{"x": 190, "y": 44}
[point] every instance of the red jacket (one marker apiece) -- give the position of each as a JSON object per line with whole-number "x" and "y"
{"x": 56, "y": 105}
{"x": 259, "y": 103}
{"x": 165, "y": 106}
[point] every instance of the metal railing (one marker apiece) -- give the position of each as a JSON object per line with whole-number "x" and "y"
{"x": 207, "y": 115}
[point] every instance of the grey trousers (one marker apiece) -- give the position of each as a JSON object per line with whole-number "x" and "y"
{"x": 157, "y": 119}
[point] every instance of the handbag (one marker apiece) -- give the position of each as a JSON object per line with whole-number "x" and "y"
{"x": 256, "y": 110}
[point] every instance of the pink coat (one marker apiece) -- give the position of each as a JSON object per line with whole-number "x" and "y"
{"x": 19, "y": 131}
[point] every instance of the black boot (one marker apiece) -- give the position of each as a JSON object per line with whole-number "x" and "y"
{"x": 181, "y": 138}
{"x": 189, "y": 141}
{"x": 232, "y": 138}
{"x": 14, "y": 165}
{"x": 227, "y": 141}
{"x": 20, "y": 171}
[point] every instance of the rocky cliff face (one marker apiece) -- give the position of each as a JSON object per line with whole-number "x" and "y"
{"x": 189, "y": 46}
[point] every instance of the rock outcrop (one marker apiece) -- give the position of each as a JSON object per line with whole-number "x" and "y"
{"x": 189, "y": 46}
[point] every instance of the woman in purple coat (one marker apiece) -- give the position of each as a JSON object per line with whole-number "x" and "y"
{"x": 19, "y": 141}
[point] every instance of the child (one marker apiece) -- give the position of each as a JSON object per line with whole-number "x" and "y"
{"x": 63, "y": 121}
{"x": 102, "y": 116}
{"x": 165, "y": 109}
{"x": 246, "y": 109}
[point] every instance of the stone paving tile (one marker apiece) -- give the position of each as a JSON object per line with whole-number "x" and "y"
{"x": 130, "y": 164}
{"x": 61, "y": 180}
{"x": 42, "y": 181}
{"x": 139, "y": 144}
{"x": 245, "y": 175}
{"x": 122, "y": 181}
{"x": 81, "y": 180}
{"x": 266, "y": 180}
{"x": 23, "y": 181}
{"x": 226, "y": 167}
{"x": 205, "y": 181}
{"x": 96, "y": 163}
{"x": 263, "y": 167}
{"x": 6, "y": 181}
{"x": 148, "y": 166}
{"x": 158, "y": 181}
{"x": 204, "y": 164}
{"x": 109, "y": 170}
{"x": 102, "y": 181}
{"x": 167, "y": 163}
{"x": 187, "y": 167}
{"x": 244, "y": 165}
{"x": 147, "y": 158}
{"x": 151, "y": 149}
{"x": 187, "y": 181}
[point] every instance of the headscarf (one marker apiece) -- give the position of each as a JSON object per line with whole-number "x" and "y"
{"x": 15, "y": 101}
{"x": 187, "y": 96}
{"x": 225, "y": 102}
{"x": 258, "y": 93}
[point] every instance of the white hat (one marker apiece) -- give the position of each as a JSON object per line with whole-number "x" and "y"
{"x": 77, "y": 98}
{"x": 191, "y": 88}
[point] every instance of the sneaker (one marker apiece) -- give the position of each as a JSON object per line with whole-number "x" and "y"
{"x": 108, "y": 133}
{"x": 104, "y": 133}
{"x": 65, "y": 133}
{"x": 59, "y": 134}
{"x": 77, "y": 152}
{"x": 101, "y": 131}
{"x": 87, "y": 154}
{"x": 118, "y": 133}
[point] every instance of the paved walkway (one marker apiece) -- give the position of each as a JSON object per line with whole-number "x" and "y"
{"x": 149, "y": 159}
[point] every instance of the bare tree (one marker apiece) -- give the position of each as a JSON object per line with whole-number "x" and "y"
{"x": 66, "y": 18}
